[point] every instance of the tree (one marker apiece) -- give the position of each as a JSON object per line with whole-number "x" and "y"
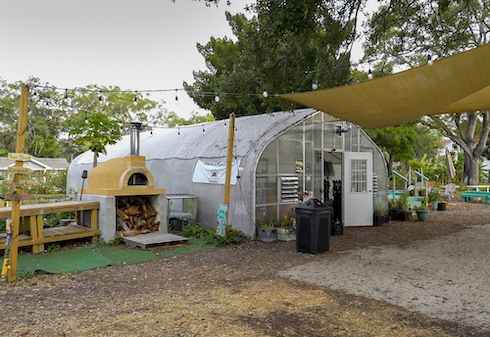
{"x": 406, "y": 142}
{"x": 396, "y": 142}
{"x": 44, "y": 122}
{"x": 96, "y": 131}
{"x": 407, "y": 32}
{"x": 98, "y": 115}
{"x": 284, "y": 47}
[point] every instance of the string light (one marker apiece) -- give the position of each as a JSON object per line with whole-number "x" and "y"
{"x": 217, "y": 98}
{"x": 66, "y": 93}
{"x": 429, "y": 59}
{"x": 265, "y": 93}
{"x": 370, "y": 74}
{"x": 100, "y": 95}
{"x": 136, "y": 97}
{"x": 203, "y": 131}
{"x": 178, "y": 131}
{"x": 176, "y": 98}
{"x": 314, "y": 85}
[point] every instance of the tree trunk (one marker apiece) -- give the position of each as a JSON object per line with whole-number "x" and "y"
{"x": 471, "y": 169}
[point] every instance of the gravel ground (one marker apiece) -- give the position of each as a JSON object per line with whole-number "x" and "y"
{"x": 448, "y": 277}
{"x": 239, "y": 291}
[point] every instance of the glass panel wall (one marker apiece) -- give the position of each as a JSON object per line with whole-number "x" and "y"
{"x": 299, "y": 154}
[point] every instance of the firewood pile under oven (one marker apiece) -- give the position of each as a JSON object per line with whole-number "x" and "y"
{"x": 136, "y": 215}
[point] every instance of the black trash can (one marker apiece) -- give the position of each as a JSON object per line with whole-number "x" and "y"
{"x": 313, "y": 221}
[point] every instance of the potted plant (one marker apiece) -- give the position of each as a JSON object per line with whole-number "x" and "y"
{"x": 433, "y": 198}
{"x": 379, "y": 214}
{"x": 422, "y": 192}
{"x": 286, "y": 229}
{"x": 423, "y": 210}
{"x": 267, "y": 231}
{"x": 400, "y": 207}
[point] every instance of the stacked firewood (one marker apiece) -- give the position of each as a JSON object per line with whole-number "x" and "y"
{"x": 136, "y": 215}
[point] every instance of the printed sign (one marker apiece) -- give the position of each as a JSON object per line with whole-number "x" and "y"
{"x": 18, "y": 169}
{"x": 19, "y": 183}
{"x": 19, "y": 156}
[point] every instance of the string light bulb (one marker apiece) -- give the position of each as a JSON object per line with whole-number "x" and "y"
{"x": 178, "y": 131}
{"x": 176, "y": 98}
{"x": 66, "y": 93}
{"x": 100, "y": 95}
{"x": 370, "y": 74}
{"x": 265, "y": 93}
{"x": 429, "y": 59}
{"x": 217, "y": 98}
{"x": 314, "y": 85}
{"x": 203, "y": 131}
{"x": 135, "y": 97}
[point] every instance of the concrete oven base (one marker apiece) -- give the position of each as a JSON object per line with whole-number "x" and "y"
{"x": 107, "y": 213}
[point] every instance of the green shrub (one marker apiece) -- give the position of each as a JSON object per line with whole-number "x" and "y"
{"x": 210, "y": 236}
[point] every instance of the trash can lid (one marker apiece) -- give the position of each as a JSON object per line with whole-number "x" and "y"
{"x": 311, "y": 204}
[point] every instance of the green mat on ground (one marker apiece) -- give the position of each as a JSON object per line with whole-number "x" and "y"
{"x": 64, "y": 261}
{"x": 73, "y": 260}
{"x": 122, "y": 256}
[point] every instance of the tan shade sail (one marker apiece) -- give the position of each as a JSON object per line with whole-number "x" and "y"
{"x": 459, "y": 83}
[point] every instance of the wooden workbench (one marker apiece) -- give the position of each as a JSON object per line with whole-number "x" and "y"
{"x": 38, "y": 235}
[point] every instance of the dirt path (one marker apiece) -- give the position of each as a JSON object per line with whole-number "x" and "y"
{"x": 447, "y": 277}
{"x": 239, "y": 291}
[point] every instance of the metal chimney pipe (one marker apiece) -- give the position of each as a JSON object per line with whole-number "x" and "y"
{"x": 135, "y": 139}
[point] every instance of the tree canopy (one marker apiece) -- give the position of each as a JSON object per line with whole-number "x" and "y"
{"x": 65, "y": 123}
{"x": 410, "y": 32}
{"x": 284, "y": 47}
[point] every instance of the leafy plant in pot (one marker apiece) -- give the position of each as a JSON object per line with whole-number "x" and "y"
{"x": 423, "y": 210}
{"x": 267, "y": 231}
{"x": 400, "y": 207}
{"x": 286, "y": 230}
{"x": 433, "y": 199}
{"x": 379, "y": 214}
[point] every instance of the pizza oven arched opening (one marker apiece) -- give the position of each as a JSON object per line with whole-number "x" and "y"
{"x": 138, "y": 179}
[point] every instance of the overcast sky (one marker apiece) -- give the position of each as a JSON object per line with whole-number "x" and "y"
{"x": 133, "y": 44}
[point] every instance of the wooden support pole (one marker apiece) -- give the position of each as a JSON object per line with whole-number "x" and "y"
{"x": 21, "y": 140}
{"x": 229, "y": 162}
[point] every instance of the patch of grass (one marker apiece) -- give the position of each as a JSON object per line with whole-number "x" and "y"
{"x": 54, "y": 247}
{"x": 116, "y": 241}
{"x": 26, "y": 275}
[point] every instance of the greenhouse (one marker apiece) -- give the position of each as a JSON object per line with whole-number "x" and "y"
{"x": 279, "y": 161}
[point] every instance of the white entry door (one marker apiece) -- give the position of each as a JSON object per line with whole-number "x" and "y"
{"x": 358, "y": 189}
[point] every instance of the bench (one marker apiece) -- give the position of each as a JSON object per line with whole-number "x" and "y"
{"x": 34, "y": 219}
{"x": 476, "y": 194}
